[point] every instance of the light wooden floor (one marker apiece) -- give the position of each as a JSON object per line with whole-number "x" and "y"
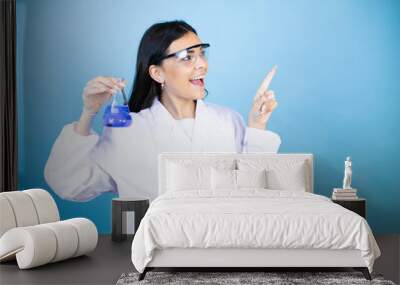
{"x": 110, "y": 260}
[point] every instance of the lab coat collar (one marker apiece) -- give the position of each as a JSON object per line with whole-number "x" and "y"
{"x": 163, "y": 117}
{"x": 168, "y": 125}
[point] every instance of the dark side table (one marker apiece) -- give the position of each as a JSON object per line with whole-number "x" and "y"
{"x": 357, "y": 206}
{"x": 121, "y": 205}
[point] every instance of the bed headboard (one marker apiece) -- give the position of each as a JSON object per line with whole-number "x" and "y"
{"x": 237, "y": 161}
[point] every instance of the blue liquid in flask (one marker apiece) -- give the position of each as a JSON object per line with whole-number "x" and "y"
{"x": 117, "y": 116}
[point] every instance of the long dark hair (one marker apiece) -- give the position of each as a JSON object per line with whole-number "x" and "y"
{"x": 153, "y": 46}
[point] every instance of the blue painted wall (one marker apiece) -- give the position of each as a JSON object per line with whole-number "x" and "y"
{"x": 337, "y": 83}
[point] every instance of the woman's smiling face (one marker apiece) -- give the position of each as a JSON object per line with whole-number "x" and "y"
{"x": 184, "y": 74}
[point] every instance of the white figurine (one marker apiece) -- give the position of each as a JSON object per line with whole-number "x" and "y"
{"x": 347, "y": 174}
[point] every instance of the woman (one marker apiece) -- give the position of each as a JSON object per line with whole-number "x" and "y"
{"x": 169, "y": 116}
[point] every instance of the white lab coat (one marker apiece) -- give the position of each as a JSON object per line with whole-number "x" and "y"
{"x": 124, "y": 160}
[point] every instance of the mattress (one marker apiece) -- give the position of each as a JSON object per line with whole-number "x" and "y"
{"x": 250, "y": 219}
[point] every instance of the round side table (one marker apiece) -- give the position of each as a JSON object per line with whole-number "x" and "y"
{"x": 127, "y": 204}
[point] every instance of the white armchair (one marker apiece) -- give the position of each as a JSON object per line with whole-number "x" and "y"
{"x": 31, "y": 230}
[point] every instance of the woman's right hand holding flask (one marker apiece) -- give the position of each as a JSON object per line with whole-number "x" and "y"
{"x": 96, "y": 92}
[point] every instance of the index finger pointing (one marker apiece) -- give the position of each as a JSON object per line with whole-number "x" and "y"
{"x": 267, "y": 80}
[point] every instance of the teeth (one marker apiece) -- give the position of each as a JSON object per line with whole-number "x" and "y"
{"x": 197, "y": 77}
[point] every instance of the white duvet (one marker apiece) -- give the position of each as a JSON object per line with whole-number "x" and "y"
{"x": 250, "y": 219}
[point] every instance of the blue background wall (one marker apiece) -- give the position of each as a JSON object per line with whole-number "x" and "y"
{"x": 337, "y": 83}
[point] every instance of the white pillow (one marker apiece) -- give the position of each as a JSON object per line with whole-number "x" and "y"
{"x": 193, "y": 174}
{"x": 182, "y": 177}
{"x": 282, "y": 174}
{"x": 251, "y": 178}
{"x": 223, "y": 179}
{"x": 290, "y": 179}
{"x": 237, "y": 179}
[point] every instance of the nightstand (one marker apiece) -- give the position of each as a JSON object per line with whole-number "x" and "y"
{"x": 358, "y": 206}
{"x": 121, "y": 205}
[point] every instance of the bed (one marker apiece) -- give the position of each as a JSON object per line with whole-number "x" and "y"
{"x": 244, "y": 211}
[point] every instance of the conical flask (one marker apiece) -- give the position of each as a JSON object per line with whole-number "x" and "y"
{"x": 117, "y": 114}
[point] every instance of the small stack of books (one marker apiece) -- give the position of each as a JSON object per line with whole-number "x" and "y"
{"x": 344, "y": 194}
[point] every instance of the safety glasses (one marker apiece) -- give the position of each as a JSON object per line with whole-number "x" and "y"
{"x": 190, "y": 55}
